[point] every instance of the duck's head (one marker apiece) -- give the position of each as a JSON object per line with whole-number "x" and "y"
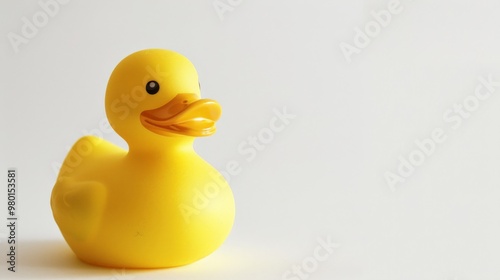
{"x": 153, "y": 96}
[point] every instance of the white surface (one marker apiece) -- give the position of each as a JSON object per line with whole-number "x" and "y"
{"x": 323, "y": 174}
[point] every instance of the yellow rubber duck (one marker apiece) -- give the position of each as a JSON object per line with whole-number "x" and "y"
{"x": 158, "y": 204}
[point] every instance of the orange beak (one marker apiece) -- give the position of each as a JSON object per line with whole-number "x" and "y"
{"x": 185, "y": 114}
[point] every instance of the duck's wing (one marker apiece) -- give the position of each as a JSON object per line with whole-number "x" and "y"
{"x": 78, "y": 207}
{"x": 79, "y": 197}
{"x": 85, "y": 154}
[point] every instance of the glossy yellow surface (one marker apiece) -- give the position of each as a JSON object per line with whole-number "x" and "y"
{"x": 158, "y": 204}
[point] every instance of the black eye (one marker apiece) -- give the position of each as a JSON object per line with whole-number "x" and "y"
{"x": 152, "y": 87}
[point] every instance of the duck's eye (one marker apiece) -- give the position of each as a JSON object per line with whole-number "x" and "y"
{"x": 152, "y": 87}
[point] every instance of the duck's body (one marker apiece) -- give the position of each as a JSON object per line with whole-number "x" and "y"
{"x": 157, "y": 205}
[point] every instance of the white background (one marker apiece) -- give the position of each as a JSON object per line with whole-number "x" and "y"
{"x": 323, "y": 176}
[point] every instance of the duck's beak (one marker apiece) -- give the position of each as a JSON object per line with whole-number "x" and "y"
{"x": 185, "y": 114}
